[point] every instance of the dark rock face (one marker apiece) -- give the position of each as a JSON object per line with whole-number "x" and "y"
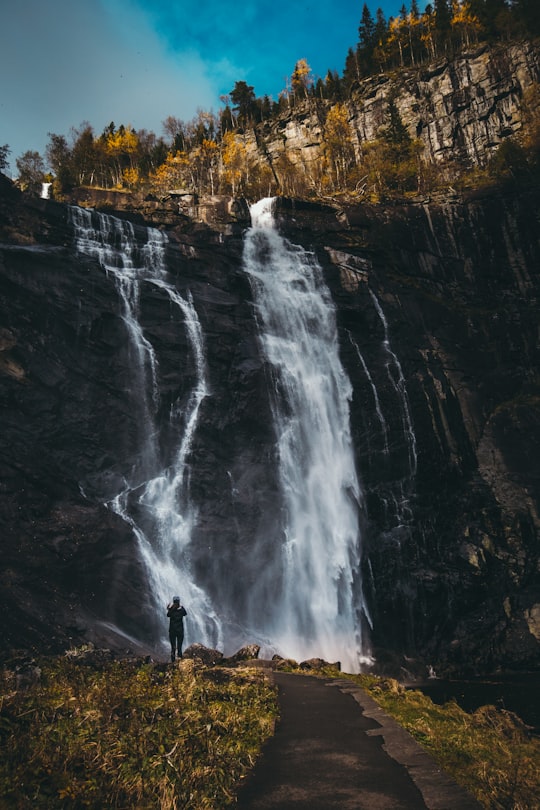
{"x": 457, "y": 576}
{"x": 438, "y": 320}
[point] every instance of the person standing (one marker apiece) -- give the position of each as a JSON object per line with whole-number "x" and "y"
{"x": 176, "y": 613}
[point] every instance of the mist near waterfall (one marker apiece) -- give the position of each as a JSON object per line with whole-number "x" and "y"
{"x": 308, "y": 599}
{"x": 155, "y": 497}
{"x": 305, "y": 598}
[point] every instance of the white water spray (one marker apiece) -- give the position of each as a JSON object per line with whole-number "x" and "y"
{"x": 378, "y": 410}
{"x": 318, "y": 607}
{"x": 155, "y": 500}
{"x": 396, "y": 377}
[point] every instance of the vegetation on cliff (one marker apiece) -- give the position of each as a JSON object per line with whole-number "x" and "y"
{"x": 227, "y": 152}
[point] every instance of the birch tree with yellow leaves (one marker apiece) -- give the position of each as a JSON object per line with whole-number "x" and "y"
{"x": 301, "y": 79}
{"x": 338, "y": 146}
{"x": 464, "y": 22}
{"x": 122, "y": 146}
{"x": 235, "y": 170}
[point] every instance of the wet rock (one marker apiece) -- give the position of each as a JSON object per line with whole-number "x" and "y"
{"x": 280, "y": 663}
{"x": 451, "y": 474}
{"x": 319, "y": 663}
{"x": 246, "y": 653}
{"x": 205, "y": 655}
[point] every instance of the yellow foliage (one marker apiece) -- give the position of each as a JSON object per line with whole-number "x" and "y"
{"x": 464, "y": 20}
{"x": 337, "y": 129}
{"x": 124, "y": 140}
{"x": 233, "y": 155}
{"x": 301, "y": 80}
{"x": 131, "y": 176}
{"x": 338, "y": 147}
{"x": 172, "y": 173}
{"x": 209, "y": 148}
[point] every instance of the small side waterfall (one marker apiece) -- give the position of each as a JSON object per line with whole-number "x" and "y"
{"x": 395, "y": 375}
{"x": 155, "y": 499}
{"x": 318, "y": 608}
{"x": 399, "y": 490}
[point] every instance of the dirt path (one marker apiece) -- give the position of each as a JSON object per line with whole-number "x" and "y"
{"x": 335, "y": 748}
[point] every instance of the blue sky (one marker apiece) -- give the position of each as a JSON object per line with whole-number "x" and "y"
{"x": 63, "y": 62}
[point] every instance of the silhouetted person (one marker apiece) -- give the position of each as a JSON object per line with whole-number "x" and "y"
{"x": 176, "y": 613}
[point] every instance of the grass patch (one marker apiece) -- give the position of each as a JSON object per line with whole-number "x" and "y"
{"x": 124, "y": 735}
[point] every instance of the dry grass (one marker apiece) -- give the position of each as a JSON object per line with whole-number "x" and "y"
{"x": 130, "y": 736}
{"x": 489, "y": 751}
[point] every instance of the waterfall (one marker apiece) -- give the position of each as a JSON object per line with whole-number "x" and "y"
{"x": 395, "y": 494}
{"x": 376, "y": 401}
{"x": 318, "y": 608}
{"x": 155, "y": 499}
{"x": 395, "y": 375}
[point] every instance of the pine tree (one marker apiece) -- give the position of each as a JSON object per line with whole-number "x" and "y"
{"x": 366, "y": 41}
{"x": 243, "y": 98}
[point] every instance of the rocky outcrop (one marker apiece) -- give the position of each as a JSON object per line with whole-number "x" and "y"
{"x": 460, "y": 109}
{"x": 438, "y": 320}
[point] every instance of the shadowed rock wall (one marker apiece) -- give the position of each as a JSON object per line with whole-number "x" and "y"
{"x": 456, "y": 576}
{"x": 445, "y": 296}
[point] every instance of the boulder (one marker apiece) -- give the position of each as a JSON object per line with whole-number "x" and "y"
{"x": 206, "y": 656}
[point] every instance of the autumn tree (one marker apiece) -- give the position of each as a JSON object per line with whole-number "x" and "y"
{"x": 234, "y": 159}
{"x": 31, "y": 170}
{"x": 398, "y": 36}
{"x": 121, "y": 145}
{"x": 205, "y": 161}
{"x": 339, "y": 150}
{"x": 173, "y": 173}
{"x": 464, "y": 22}
{"x": 301, "y": 79}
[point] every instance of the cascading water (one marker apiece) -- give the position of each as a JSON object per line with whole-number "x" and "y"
{"x": 155, "y": 499}
{"x": 318, "y": 608}
{"x": 395, "y": 375}
{"x": 397, "y": 497}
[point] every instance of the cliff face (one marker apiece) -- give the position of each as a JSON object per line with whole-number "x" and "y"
{"x": 460, "y": 109}
{"x": 459, "y": 287}
{"x": 438, "y": 323}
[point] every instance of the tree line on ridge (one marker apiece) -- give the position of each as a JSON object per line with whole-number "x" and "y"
{"x": 209, "y": 154}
